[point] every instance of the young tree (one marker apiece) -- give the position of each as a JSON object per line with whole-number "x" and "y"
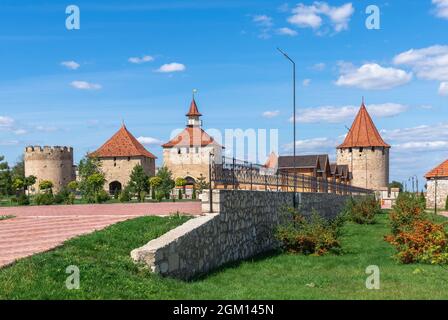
{"x": 46, "y": 186}
{"x": 139, "y": 182}
{"x": 6, "y": 187}
{"x": 155, "y": 183}
{"x": 167, "y": 183}
{"x": 201, "y": 184}
{"x": 89, "y": 188}
{"x": 396, "y": 184}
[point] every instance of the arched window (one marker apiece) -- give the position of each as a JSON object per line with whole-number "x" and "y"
{"x": 114, "y": 187}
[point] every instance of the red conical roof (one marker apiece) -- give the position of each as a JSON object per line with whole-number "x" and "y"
{"x": 122, "y": 144}
{"x": 194, "y": 111}
{"x": 439, "y": 171}
{"x": 363, "y": 132}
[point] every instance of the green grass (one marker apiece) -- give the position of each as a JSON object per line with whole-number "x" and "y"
{"x": 107, "y": 271}
{"x": 6, "y": 217}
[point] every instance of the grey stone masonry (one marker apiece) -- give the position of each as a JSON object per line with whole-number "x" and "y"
{"x": 241, "y": 226}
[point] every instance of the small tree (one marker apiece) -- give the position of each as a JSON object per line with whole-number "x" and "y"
{"x": 396, "y": 184}
{"x": 88, "y": 186}
{"x": 46, "y": 186}
{"x": 95, "y": 183}
{"x": 446, "y": 204}
{"x": 201, "y": 184}
{"x": 155, "y": 183}
{"x": 167, "y": 183}
{"x": 5, "y": 178}
{"x": 139, "y": 182}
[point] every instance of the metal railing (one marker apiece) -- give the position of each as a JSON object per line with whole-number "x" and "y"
{"x": 230, "y": 173}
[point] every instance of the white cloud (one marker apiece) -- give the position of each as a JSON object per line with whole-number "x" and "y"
{"x": 84, "y": 85}
{"x": 20, "y": 131}
{"x": 311, "y": 16}
{"x": 149, "y": 141}
{"x": 140, "y": 60}
{"x": 72, "y": 65}
{"x": 319, "y": 66}
{"x": 171, "y": 67}
{"x": 372, "y": 77}
{"x": 46, "y": 128}
{"x": 418, "y": 133}
{"x": 270, "y": 114}
{"x": 429, "y": 63}
{"x": 306, "y": 82}
{"x": 6, "y": 143}
{"x": 422, "y": 146}
{"x": 443, "y": 89}
{"x": 313, "y": 146}
{"x": 263, "y": 20}
{"x": 332, "y": 114}
{"x": 287, "y": 32}
{"x": 441, "y": 8}
{"x": 6, "y": 122}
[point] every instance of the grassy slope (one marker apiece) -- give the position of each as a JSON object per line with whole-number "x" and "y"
{"x": 108, "y": 273}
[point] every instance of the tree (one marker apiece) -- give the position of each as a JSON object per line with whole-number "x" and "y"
{"x": 90, "y": 187}
{"x": 201, "y": 184}
{"x": 46, "y": 186}
{"x": 167, "y": 183}
{"x": 181, "y": 183}
{"x": 446, "y": 204}
{"x": 5, "y": 178}
{"x": 139, "y": 182}
{"x": 154, "y": 182}
{"x": 396, "y": 184}
{"x": 18, "y": 170}
{"x": 95, "y": 184}
{"x": 73, "y": 186}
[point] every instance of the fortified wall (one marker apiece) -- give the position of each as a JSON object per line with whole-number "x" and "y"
{"x": 49, "y": 163}
{"x": 242, "y": 226}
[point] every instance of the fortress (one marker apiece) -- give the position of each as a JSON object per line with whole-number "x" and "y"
{"x": 49, "y": 163}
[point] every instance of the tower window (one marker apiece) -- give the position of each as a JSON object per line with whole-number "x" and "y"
{"x": 129, "y": 158}
{"x": 179, "y": 151}
{"x": 350, "y": 150}
{"x": 361, "y": 149}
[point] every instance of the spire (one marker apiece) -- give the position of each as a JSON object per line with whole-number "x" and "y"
{"x": 193, "y": 111}
{"x": 363, "y": 132}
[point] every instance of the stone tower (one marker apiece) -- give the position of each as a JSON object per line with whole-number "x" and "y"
{"x": 187, "y": 155}
{"x": 49, "y": 163}
{"x": 365, "y": 153}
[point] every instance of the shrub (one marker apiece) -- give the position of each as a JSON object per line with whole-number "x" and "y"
{"x": 313, "y": 235}
{"x": 44, "y": 199}
{"x": 446, "y": 203}
{"x": 125, "y": 195}
{"x": 64, "y": 197}
{"x": 102, "y": 196}
{"x": 407, "y": 209}
{"x": 423, "y": 242}
{"x": 23, "y": 200}
{"x": 362, "y": 211}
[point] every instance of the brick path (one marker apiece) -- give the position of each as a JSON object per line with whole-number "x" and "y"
{"x": 40, "y": 228}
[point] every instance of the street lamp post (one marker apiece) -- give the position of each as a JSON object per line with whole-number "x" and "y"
{"x": 294, "y": 120}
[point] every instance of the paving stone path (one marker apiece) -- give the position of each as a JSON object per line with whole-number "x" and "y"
{"x": 40, "y": 228}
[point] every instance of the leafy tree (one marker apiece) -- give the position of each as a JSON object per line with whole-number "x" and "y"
{"x": 139, "y": 182}
{"x": 5, "y": 178}
{"x": 46, "y": 186}
{"x": 201, "y": 184}
{"x": 95, "y": 185}
{"x": 18, "y": 170}
{"x": 167, "y": 183}
{"x": 73, "y": 186}
{"x": 396, "y": 184}
{"x": 91, "y": 179}
{"x": 181, "y": 182}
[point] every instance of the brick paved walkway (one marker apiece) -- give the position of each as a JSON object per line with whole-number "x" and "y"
{"x": 40, "y": 228}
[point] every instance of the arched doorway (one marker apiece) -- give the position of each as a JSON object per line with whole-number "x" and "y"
{"x": 190, "y": 181}
{"x": 114, "y": 187}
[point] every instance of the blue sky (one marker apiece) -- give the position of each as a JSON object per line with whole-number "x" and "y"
{"x": 74, "y": 87}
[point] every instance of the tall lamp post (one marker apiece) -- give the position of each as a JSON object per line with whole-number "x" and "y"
{"x": 294, "y": 120}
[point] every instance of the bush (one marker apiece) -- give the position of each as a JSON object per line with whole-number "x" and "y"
{"x": 446, "y": 203}
{"x": 64, "y": 197}
{"x": 102, "y": 196}
{"x": 423, "y": 242}
{"x": 125, "y": 195}
{"x": 407, "y": 209}
{"x": 44, "y": 199}
{"x": 23, "y": 200}
{"x": 313, "y": 235}
{"x": 362, "y": 211}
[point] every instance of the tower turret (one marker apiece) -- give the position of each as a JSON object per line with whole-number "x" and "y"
{"x": 366, "y": 153}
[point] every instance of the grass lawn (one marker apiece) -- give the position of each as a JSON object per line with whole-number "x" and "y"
{"x": 107, "y": 271}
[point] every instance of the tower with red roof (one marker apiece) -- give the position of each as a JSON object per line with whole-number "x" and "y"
{"x": 187, "y": 155}
{"x": 365, "y": 153}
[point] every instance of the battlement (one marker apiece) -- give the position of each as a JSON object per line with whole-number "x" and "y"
{"x": 48, "y": 149}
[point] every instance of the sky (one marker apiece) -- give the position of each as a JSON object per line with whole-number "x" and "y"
{"x": 137, "y": 62}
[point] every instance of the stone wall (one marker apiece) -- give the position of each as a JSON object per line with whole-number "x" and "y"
{"x": 49, "y": 163}
{"x": 120, "y": 168}
{"x": 370, "y": 167}
{"x": 442, "y": 193}
{"x": 241, "y": 227}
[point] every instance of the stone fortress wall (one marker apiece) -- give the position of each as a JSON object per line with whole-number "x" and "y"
{"x": 371, "y": 164}
{"x": 442, "y": 193}
{"x": 49, "y": 163}
{"x": 242, "y": 226}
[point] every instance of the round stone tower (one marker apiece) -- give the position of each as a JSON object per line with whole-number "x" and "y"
{"x": 49, "y": 163}
{"x": 365, "y": 153}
